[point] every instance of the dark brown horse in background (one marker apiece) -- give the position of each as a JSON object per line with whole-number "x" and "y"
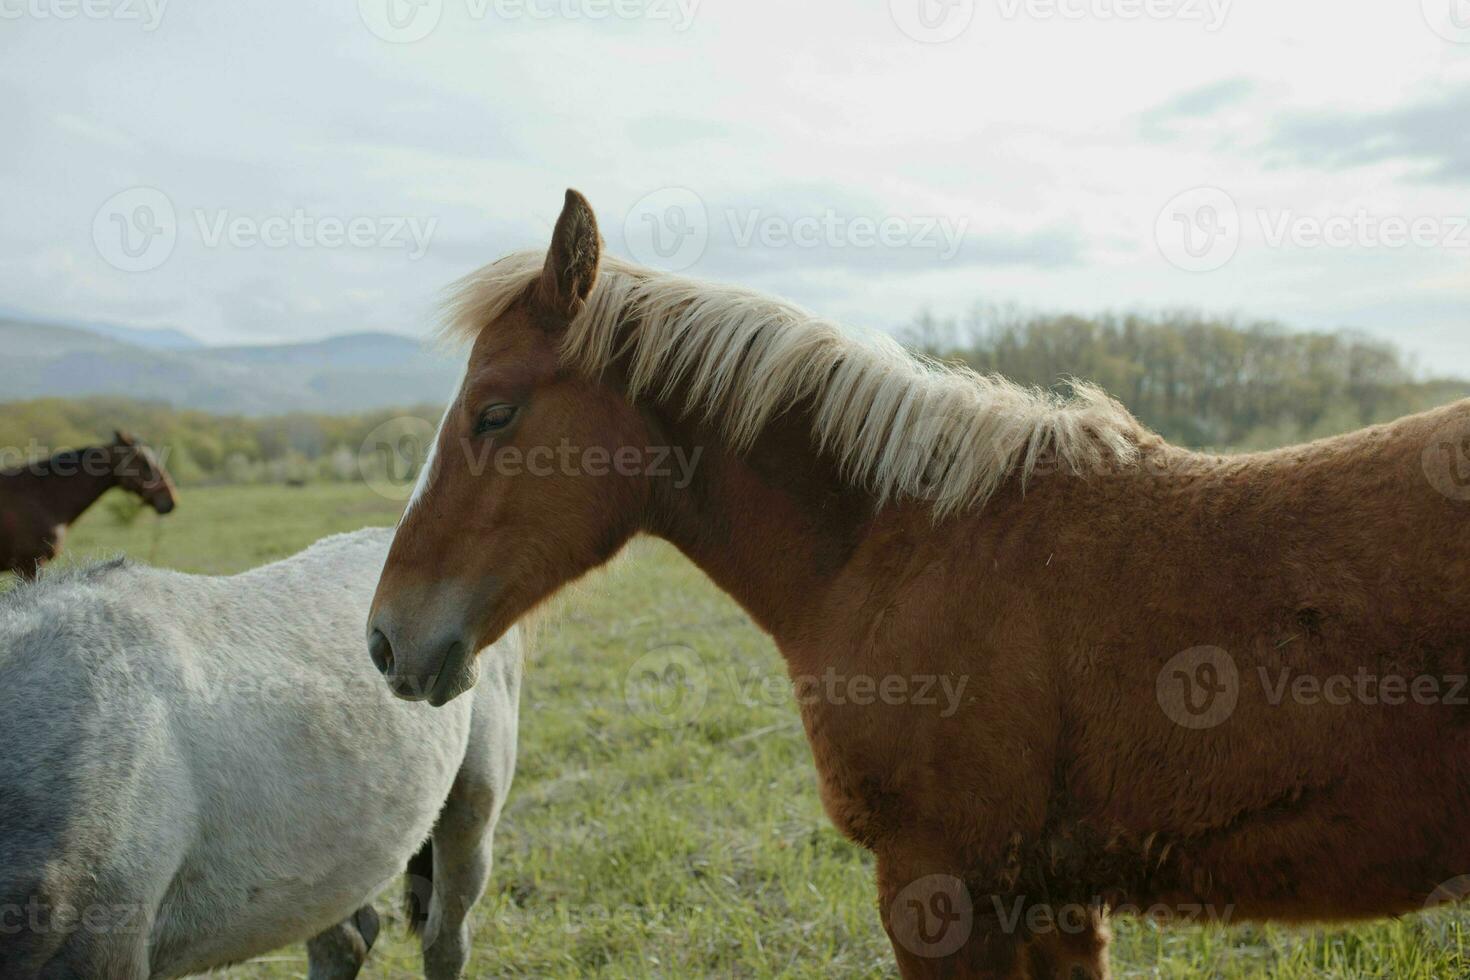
{"x": 39, "y": 501}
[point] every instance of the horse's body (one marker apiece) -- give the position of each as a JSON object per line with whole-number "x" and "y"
{"x": 1126, "y": 623}
{"x": 40, "y": 501}
{"x": 200, "y": 770}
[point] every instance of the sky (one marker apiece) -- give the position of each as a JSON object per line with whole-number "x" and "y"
{"x": 292, "y": 169}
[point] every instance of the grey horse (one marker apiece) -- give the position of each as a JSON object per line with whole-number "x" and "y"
{"x": 195, "y": 771}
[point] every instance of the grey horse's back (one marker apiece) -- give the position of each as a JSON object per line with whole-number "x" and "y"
{"x": 215, "y": 759}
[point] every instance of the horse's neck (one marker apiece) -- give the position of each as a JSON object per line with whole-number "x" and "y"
{"x": 66, "y": 486}
{"x": 771, "y": 526}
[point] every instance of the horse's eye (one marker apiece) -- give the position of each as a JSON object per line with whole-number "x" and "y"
{"x": 495, "y": 418}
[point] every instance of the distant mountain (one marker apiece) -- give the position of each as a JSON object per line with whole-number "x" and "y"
{"x": 165, "y": 338}
{"x": 354, "y": 373}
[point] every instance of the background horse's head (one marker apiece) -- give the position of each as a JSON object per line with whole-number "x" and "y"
{"x": 534, "y": 478}
{"x": 138, "y": 471}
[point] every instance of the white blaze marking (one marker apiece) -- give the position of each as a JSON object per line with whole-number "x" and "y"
{"x": 422, "y": 485}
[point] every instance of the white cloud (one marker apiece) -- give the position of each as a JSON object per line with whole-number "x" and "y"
{"x": 1054, "y": 140}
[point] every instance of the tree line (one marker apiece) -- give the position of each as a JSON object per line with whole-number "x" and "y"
{"x": 201, "y": 448}
{"x": 1200, "y": 382}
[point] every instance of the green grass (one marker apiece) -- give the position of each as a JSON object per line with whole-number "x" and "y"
{"x": 687, "y": 843}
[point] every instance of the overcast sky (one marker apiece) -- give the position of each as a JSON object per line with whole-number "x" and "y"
{"x": 286, "y": 170}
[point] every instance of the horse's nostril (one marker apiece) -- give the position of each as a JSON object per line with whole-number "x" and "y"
{"x": 381, "y": 651}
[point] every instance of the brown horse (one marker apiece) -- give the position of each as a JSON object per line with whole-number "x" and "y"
{"x": 38, "y": 502}
{"x": 1193, "y": 686}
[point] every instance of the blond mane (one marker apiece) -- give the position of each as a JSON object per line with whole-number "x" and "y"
{"x": 898, "y": 425}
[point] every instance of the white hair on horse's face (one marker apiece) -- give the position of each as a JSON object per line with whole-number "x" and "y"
{"x": 899, "y": 425}
{"x": 426, "y": 472}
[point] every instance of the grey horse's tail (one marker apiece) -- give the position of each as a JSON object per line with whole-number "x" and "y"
{"x": 418, "y": 887}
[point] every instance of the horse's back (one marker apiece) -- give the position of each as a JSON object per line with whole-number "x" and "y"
{"x": 256, "y": 776}
{"x": 312, "y": 740}
{"x": 1292, "y": 622}
{"x": 89, "y": 757}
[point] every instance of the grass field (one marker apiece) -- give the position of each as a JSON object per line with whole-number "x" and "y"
{"x": 652, "y": 835}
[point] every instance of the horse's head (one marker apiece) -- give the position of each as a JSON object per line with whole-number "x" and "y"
{"x": 531, "y": 482}
{"x": 139, "y": 471}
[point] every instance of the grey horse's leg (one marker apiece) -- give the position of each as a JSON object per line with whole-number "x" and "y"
{"x": 339, "y": 952}
{"x": 461, "y": 845}
{"x": 87, "y": 954}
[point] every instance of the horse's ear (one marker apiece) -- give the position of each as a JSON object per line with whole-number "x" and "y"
{"x": 123, "y": 438}
{"x": 571, "y": 262}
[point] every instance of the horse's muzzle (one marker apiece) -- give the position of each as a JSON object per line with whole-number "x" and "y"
{"x": 438, "y": 678}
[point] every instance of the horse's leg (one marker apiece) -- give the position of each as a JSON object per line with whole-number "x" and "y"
{"x": 339, "y": 952}
{"x": 89, "y": 953}
{"x": 942, "y": 930}
{"x": 1072, "y": 949}
{"x": 461, "y": 845}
